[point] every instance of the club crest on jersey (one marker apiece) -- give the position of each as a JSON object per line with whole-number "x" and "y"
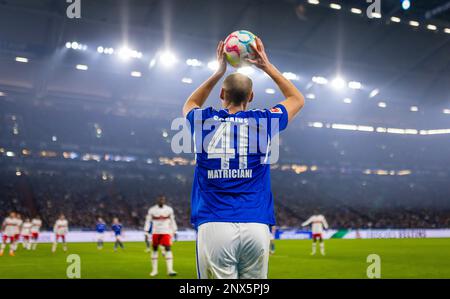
{"x": 276, "y": 110}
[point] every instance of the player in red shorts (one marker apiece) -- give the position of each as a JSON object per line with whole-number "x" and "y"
{"x": 61, "y": 228}
{"x": 9, "y": 228}
{"x": 162, "y": 220}
{"x": 26, "y": 234}
{"x": 318, "y": 223}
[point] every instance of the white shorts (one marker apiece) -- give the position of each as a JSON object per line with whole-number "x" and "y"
{"x": 232, "y": 250}
{"x": 100, "y": 236}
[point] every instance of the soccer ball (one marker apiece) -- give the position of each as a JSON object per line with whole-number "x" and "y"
{"x": 237, "y": 47}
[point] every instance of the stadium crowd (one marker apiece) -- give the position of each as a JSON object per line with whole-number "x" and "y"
{"x": 348, "y": 201}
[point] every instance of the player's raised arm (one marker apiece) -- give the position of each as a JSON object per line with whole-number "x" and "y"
{"x": 294, "y": 99}
{"x": 199, "y": 96}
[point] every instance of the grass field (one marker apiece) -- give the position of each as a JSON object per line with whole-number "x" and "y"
{"x": 400, "y": 258}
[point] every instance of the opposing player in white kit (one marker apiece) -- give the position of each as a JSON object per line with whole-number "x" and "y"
{"x": 231, "y": 199}
{"x": 36, "y": 224}
{"x": 318, "y": 223}
{"x": 9, "y": 228}
{"x": 162, "y": 219}
{"x": 26, "y": 234}
{"x": 61, "y": 228}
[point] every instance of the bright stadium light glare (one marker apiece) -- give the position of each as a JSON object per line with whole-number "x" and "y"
{"x": 338, "y": 83}
{"x": 68, "y": 45}
{"x": 354, "y": 85}
{"x": 167, "y": 59}
{"x": 81, "y": 67}
{"x": 311, "y": 96}
{"x": 270, "y": 91}
{"x": 2, "y": 94}
{"x": 291, "y": 76}
{"x": 100, "y": 49}
{"x": 447, "y": 30}
{"x": 320, "y": 80}
{"x": 335, "y": 6}
{"x": 193, "y": 62}
{"x": 213, "y": 65}
{"x": 314, "y": 2}
{"x": 382, "y": 105}
{"x": 124, "y": 53}
{"x": 74, "y": 45}
{"x": 395, "y": 19}
{"x": 446, "y": 111}
{"x": 186, "y": 80}
{"x": 347, "y": 101}
{"x": 356, "y": 10}
{"x": 21, "y": 59}
{"x": 406, "y": 4}
{"x": 431, "y": 27}
{"x": 414, "y": 23}
{"x": 414, "y": 108}
{"x": 136, "y": 74}
{"x": 374, "y": 93}
{"x": 246, "y": 70}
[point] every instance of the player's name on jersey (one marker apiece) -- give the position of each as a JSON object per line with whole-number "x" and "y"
{"x": 230, "y": 173}
{"x": 232, "y": 119}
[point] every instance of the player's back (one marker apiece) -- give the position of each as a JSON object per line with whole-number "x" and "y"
{"x": 100, "y": 227}
{"x": 232, "y": 176}
{"x": 117, "y": 228}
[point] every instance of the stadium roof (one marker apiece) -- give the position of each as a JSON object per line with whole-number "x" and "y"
{"x": 410, "y": 64}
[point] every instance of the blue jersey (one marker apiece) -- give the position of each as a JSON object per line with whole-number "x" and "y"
{"x": 232, "y": 173}
{"x": 100, "y": 227}
{"x": 117, "y": 229}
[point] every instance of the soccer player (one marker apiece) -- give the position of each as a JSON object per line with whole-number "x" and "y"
{"x": 164, "y": 227}
{"x": 9, "y": 230}
{"x": 36, "y": 224}
{"x": 61, "y": 228}
{"x": 26, "y": 234}
{"x": 100, "y": 228}
{"x": 318, "y": 224}
{"x": 232, "y": 203}
{"x": 117, "y": 229}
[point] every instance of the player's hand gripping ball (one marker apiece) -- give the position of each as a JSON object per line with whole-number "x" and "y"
{"x": 237, "y": 47}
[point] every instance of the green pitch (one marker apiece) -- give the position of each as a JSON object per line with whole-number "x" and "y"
{"x": 403, "y": 258}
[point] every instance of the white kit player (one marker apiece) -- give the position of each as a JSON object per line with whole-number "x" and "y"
{"x": 162, "y": 220}
{"x": 61, "y": 228}
{"x": 9, "y": 228}
{"x": 26, "y": 234}
{"x": 318, "y": 224}
{"x": 36, "y": 224}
